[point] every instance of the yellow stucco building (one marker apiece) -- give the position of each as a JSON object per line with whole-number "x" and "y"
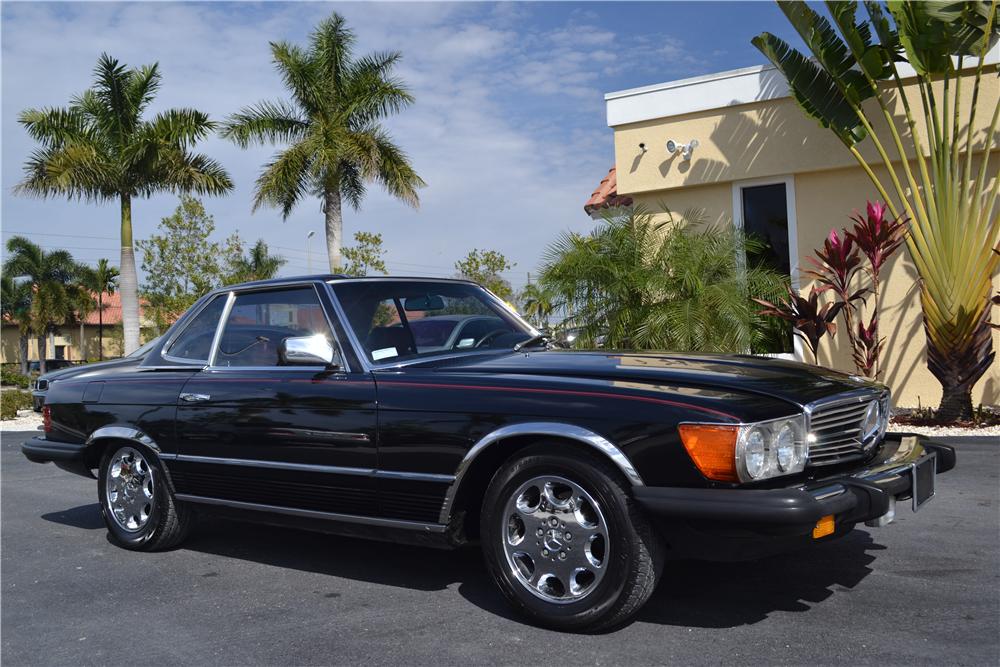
{"x": 746, "y": 154}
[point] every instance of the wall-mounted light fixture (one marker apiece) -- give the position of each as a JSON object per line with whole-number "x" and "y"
{"x": 685, "y": 149}
{"x": 642, "y": 149}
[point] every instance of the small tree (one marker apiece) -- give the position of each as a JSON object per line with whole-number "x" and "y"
{"x": 485, "y": 267}
{"x": 15, "y": 303}
{"x": 258, "y": 264}
{"x": 366, "y": 256}
{"x": 181, "y": 263}
{"x": 103, "y": 280}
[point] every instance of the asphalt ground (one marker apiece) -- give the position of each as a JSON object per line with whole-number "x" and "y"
{"x": 924, "y": 590}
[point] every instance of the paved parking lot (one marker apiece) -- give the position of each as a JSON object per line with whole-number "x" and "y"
{"x": 924, "y": 590}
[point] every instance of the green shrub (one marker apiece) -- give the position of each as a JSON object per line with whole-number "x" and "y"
{"x": 13, "y": 400}
{"x": 11, "y": 378}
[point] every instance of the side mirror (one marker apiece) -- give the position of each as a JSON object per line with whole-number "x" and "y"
{"x": 308, "y": 351}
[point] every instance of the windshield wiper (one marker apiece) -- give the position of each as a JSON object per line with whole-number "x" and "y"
{"x": 534, "y": 340}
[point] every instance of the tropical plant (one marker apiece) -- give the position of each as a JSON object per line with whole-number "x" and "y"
{"x": 537, "y": 304}
{"x": 15, "y": 303}
{"x": 485, "y": 267}
{"x": 951, "y": 210}
{"x": 638, "y": 283}
{"x": 366, "y": 256}
{"x": 258, "y": 264}
{"x": 101, "y": 149}
{"x": 101, "y": 280}
{"x": 810, "y": 321}
{"x": 52, "y": 280}
{"x": 838, "y": 265}
{"x": 332, "y": 122}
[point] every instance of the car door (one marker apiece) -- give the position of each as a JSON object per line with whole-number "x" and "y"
{"x": 252, "y": 429}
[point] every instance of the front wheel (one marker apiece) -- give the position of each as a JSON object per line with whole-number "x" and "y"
{"x": 565, "y": 542}
{"x": 139, "y": 509}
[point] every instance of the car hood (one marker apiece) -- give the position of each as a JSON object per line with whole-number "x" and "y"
{"x": 85, "y": 369}
{"x": 790, "y": 381}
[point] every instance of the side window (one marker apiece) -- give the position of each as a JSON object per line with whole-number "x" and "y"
{"x": 259, "y": 321}
{"x": 195, "y": 342}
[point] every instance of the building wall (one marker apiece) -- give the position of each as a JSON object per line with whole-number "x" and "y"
{"x": 68, "y": 336}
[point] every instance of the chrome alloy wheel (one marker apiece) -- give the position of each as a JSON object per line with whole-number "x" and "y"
{"x": 555, "y": 539}
{"x": 129, "y": 488}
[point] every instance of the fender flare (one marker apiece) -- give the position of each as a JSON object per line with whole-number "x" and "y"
{"x": 551, "y": 429}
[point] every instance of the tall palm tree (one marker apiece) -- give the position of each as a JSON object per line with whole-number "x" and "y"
{"x": 103, "y": 279}
{"x": 258, "y": 265}
{"x": 852, "y": 86}
{"x": 52, "y": 278}
{"x": 639, "y": 284}
{"x": 100, "y": 148}
{"x": 15, "y": 304}
{"x": 337, "y": 144}
{"x": 538, "y": 304}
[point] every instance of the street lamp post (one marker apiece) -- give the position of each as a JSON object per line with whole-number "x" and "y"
{"x": 309, "y": 264}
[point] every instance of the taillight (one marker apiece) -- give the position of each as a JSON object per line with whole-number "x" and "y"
{"x": 47, "y": 418}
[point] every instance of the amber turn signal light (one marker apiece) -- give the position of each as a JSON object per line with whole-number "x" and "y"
{"x": 712, "y": 447}
{"x": 824, "y": 527}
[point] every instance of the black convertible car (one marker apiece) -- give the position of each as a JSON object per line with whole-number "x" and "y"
{"x": 309, "y": 401}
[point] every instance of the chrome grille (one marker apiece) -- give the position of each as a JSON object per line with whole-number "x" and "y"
{"x": 834, "y": 427}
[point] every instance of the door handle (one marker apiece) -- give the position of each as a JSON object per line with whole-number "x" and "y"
{"x": 195, "y": 398}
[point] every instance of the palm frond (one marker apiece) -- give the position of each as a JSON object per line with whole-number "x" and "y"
{"x": 285, "y": 180}
{"x": 266, "y": 122}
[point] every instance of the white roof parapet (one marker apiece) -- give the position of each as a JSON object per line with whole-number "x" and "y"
{"x": 715, "y": 91}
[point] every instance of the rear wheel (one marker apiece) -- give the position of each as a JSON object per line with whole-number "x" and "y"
{"x": 565, "y": 542}
{"x": 139, "y": 509}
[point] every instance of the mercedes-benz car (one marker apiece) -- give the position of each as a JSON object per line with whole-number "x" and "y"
{"x": 313, "y": 402}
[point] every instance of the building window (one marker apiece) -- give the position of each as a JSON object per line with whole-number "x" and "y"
{"x": 764, "y": 211}
{"x": 60, "y": 352}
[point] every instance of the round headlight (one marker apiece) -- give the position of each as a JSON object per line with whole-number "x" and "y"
{"x": 755, "y": 454}
{"x": 784, "y": 444}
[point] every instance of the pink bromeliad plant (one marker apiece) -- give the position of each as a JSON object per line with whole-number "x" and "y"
{"x": 838, "y": 268}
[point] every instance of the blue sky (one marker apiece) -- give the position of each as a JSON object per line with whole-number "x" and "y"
{"x": 508, "y": 128}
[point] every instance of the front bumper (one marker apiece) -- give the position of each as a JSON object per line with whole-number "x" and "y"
{"x": 724, "y": 519}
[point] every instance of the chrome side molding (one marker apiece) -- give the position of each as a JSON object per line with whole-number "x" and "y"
{"x": 555, "y": 429}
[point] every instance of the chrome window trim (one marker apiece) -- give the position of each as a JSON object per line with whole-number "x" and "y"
{"x": 312, "y": 467}
{"x": 352, "y": 338}
{"x": 234, "y": 294}
{"x": 123, "y": 433}
{"x": 557, "y": 429}
{"x": 173, "y": 338}
{"x": 315, "y": 514}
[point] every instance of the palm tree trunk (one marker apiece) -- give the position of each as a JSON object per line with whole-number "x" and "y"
{"x": 129, "y": 281}
{"x": 958, "y": 368}
{"x": 100, "y": 326}
{"x": 83, "y": 351}
{"x": 41, "y": 352}
{"x": 334, "y": 226}
{"x": 22, "y": 344}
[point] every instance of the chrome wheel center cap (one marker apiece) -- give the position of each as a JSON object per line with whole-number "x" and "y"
{"x": 554, "y": 539}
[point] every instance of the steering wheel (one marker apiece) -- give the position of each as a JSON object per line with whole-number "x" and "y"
{"x": 488, "y": 338}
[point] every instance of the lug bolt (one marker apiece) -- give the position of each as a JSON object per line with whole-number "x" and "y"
{"x": 545, "y": 552}
{"x": 569, "y": 536}
{"x": 562, "y": 555}
{"x": 553, "y": 522}
{"x": 539, "y": 532}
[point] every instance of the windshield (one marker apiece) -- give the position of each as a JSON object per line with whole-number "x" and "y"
{"x": 407, "y": 319}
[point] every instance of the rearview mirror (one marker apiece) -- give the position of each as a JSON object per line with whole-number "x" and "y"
{"x": 419, "y": 303}
{"x": 307, "y": 351}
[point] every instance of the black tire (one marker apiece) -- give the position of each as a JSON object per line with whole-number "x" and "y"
{"x": 635, "y": 561}
{"x": 168, "y": 521}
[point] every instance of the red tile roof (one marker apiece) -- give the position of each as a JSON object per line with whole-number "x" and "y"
{"x": 112, "y": 310}
{"x": 606, "y": 195}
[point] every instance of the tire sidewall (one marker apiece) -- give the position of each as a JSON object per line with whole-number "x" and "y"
{"x": 133, "y": 539}
{"x": 580, "y": 470}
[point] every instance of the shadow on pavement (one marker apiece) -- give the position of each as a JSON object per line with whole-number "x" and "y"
{"x": 87, "y": 517}
{"x": 690, "y": 594}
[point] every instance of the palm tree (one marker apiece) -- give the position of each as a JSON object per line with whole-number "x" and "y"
{"x": 337, "y": 144}
{"x": 103, "y": 279}
{"x": 15, "y": 303}
{"x": 640, "y": 284}
{"x": 259, "y": 265}
{"x": 52, "y": 283}
{"x": 852, "y": 86}
{"x": 538, "y": 304}
{"x": 101, "y": 149}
